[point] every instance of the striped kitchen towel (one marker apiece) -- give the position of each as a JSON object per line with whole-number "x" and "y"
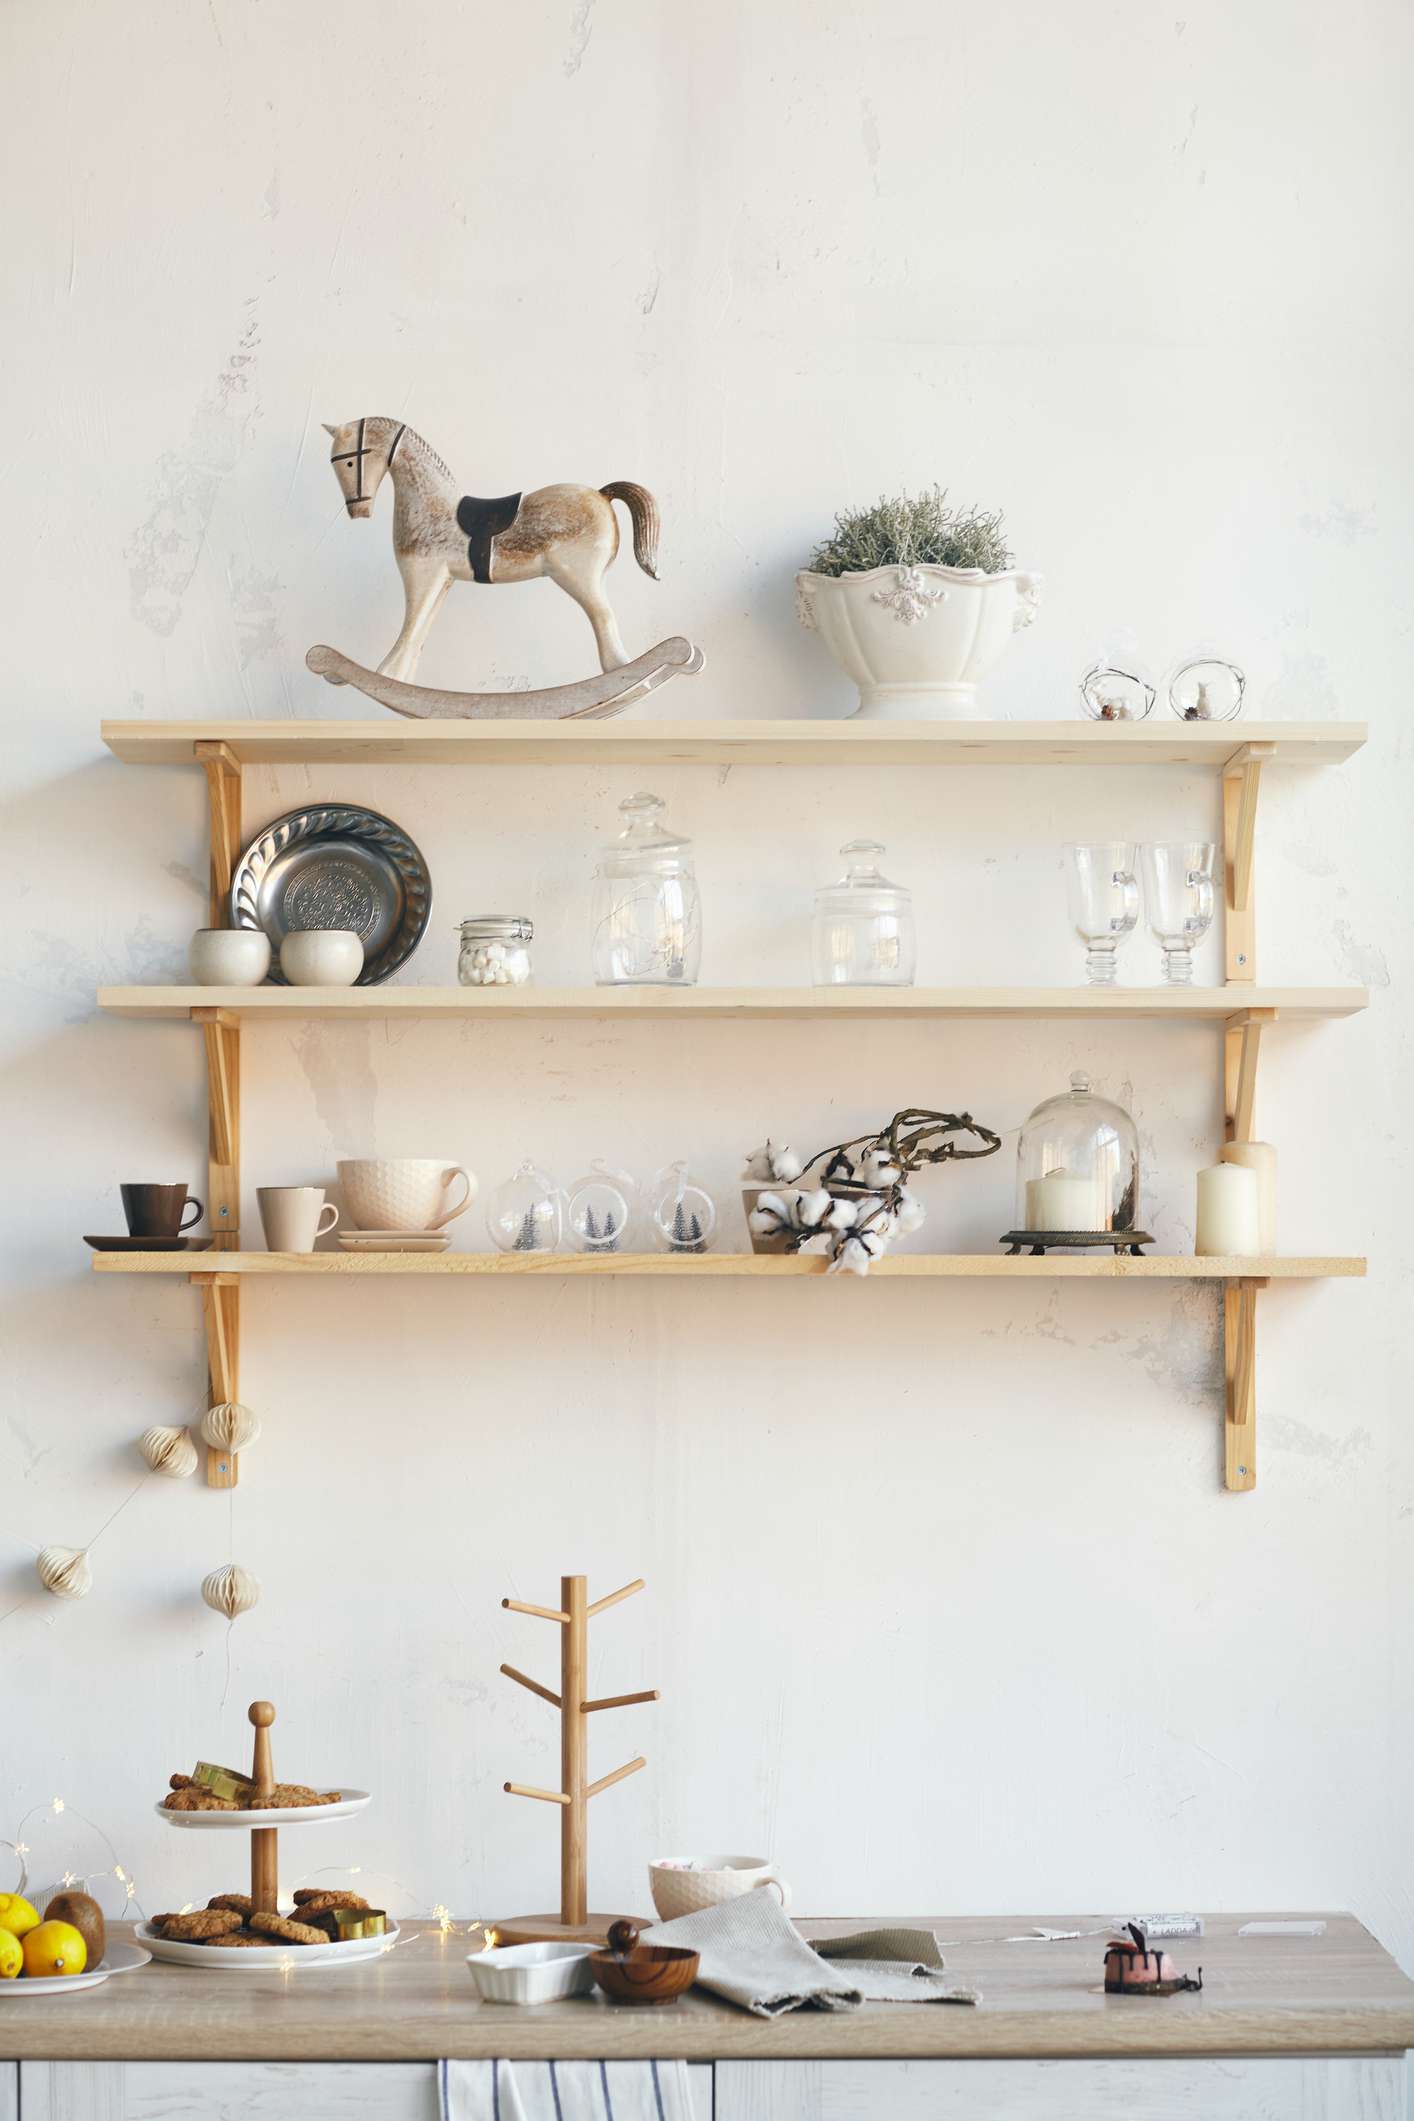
{"x": 564, "y": 2091}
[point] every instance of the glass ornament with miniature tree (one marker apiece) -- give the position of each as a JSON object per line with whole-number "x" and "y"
{"x": 1205, "y": 688}
{"x": 683, "y": 1212}
{"x": 601, "y": 1210}
{"x": 1179, "y": 899}
{"x": 863, "y": 932}
{"x": 1102, "y": 894}
{"x": 646, "y": 925}
{"x": 526, "y": 1213}
{"x": 1077, "y": 1176}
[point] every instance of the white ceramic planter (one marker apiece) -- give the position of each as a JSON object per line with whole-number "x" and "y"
{"x": 916, "y": 640}
{"x": 229, "y": 957}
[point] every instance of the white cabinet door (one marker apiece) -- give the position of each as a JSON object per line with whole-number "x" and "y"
{"x": 1217, "y": 2088}
{"x": 229, "y": 2091}
{"x": 10, "y": 2092}
{"x": 242, "y": 2091}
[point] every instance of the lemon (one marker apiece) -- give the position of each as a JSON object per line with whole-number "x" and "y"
{"x": 54, "y": 1948}
{"x": 16, "y": 1914}
{"x": 12, "y": 1955}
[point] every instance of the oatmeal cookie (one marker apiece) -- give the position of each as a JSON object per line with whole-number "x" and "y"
{"x": 241, "y": 1902}
{"x": 319, "y": 1918}
{"x": 235, "y": 1937}
{"x": 314, "y": 1896}
{"x": 202, "y": 1926}
{"x": 191, "y": 1800}
{"x": 180, "y": 1782}
{"x": 288, "y": 1932}
{"x": 285, "y": 1798}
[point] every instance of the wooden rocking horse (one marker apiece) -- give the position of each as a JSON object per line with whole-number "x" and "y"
{"x": 568, "y": 533}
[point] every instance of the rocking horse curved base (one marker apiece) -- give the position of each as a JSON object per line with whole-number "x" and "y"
{"x": 591, "y": 700}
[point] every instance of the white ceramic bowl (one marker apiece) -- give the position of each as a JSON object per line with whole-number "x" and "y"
{"x": 412, "y": 1193}
{"x": 321, "y": 957}
{"x": 532, "y": 1973}
{"x": 229, "y": 957}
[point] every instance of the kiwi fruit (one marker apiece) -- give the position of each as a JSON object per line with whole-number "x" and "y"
{"x": 86, "y": 1916}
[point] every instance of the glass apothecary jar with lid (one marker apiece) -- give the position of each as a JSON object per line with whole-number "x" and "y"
{"x": 863, "y": 933}
{"x": 1077, "y": 1172}
{"x": 647, "y": 916}
{"x": 495, "y": 950}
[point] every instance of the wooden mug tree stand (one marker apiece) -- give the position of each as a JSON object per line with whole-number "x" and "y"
{"x": 575, "y": 1923}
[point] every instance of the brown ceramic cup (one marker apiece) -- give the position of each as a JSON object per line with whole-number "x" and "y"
{"x": 159, "y": 1211}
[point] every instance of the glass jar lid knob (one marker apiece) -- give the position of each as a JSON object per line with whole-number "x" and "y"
{"x": 1080, "y": 1083}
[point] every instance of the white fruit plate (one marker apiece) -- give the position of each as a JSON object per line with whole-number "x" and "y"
{"x": 350, "y": 1801}
{"x": 118, "y": 1959}
{"x": 252, "y": 1958}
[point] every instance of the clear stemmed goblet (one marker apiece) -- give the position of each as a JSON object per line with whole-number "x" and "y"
{"x": 1178, "y": 888}
{"x": 1104, "y": 903}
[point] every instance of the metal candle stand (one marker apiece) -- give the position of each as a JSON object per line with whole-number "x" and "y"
{"x": 1043, "y": 1241}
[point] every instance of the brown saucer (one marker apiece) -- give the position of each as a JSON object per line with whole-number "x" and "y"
{"x": 150, "y": 1244}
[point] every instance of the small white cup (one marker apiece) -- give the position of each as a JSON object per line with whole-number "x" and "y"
{"x": 229, "y": 957}
{"x": 683, "y": 1885}
{"x": 293, "y": 1216}
{"x": 321, "y": 957}
{"x": 403, "y": 1192}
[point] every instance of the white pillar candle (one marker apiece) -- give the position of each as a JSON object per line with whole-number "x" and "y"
{"x": 1229, "y": 1213}
{"x": 1060, "y": 1202}
{"x": 1260, "y": 1157}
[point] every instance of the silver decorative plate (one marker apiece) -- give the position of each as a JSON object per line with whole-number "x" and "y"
{"x": 336, "y": 866}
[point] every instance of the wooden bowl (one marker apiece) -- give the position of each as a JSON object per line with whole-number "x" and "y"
{"x": 649, "y": 1973}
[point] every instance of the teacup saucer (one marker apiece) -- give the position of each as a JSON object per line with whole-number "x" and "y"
{"x": 394, "y": 1240}
{"x": 149, "y": 1244}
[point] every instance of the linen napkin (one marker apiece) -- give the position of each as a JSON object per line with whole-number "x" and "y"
{"x": 564, "y": 2091}
{"x": 753, "y": 1956}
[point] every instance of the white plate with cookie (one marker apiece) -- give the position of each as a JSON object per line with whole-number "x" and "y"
{"x": 348, "y": 1802}
{"x": 252, "y": 1958}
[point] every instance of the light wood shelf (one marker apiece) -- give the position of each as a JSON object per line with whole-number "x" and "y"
{"x": 908, "y": 1266}
{"x": 797, "y": 742}
{"x": 1184, "y": 1004}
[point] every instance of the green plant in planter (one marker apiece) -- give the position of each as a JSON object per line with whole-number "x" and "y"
{"x": 913, "y": 530}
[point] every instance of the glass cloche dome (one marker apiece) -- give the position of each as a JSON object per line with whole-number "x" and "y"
{"x": 1077, "y": 1169}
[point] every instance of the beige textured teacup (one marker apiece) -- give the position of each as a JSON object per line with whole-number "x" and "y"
{"x": 293, "y": 1216}
{"x": 681, "y": 1885}
{"x": 403, "y": 1192}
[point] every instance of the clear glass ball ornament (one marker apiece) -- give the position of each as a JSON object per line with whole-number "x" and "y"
{"x": 601, "y": 1211}
{"x": 526, "y": 1213}
{"x": 1205, "y": 688}
{"x": 682, "y": 1212}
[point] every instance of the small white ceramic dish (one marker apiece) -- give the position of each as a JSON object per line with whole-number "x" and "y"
{"x": 117, "y": 1959}
{"x": 350, "y": 1801}
{"x": 532, "y": 1973}
{"x": 252, "y": 1958}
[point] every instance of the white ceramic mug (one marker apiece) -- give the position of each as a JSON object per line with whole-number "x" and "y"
{"x": 229, "y": 957}
{"x": 682, "y": 1885}
{"x": 321, "y": 957}
{"x": 402, "y": 1192}
{"x": 293, "y": 1216}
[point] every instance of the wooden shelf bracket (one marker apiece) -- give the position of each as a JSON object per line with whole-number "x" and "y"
{"x": 1242, "y": 1048}
{"x": 1242, "y": 784}
{"x": 221, "y": 1310}
{"x": 1240, "y": 1371}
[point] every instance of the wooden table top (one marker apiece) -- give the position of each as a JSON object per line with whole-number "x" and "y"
{"x": 1339, "y": 1992}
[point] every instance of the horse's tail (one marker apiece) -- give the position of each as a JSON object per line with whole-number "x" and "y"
{"x": 644, "y": 510}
